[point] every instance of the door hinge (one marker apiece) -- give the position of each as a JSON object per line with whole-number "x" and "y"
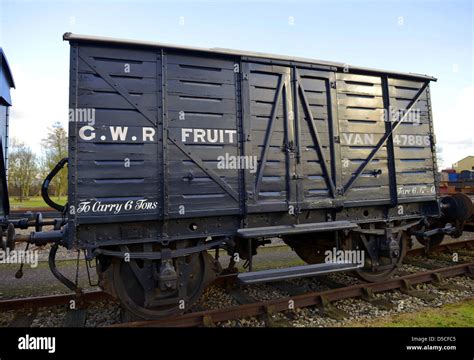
{"x": 333, "y": 84}
{"x": 289, "y": 147}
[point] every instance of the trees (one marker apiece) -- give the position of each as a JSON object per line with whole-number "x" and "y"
{"x": 23, "y": 168}
{"x": 55, "y": 148}
{"x": 26, "y": 171}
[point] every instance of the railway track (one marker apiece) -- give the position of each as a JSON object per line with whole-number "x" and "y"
{"x": 51, "y": 300}
{"x": 250, "y": 307}
{"x": 321, "y": 299}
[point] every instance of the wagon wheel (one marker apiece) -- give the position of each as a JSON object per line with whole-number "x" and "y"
{"x": 135, "y": 285}
{"x": 311, "y": 247}
{"x": 432, "y": 241}
{"x": 388, "y": 265}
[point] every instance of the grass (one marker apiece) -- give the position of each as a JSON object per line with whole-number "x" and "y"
{"x": 33, "y": 202}
{"x": 450, "y": 315}
{"x": 277, "y": 257}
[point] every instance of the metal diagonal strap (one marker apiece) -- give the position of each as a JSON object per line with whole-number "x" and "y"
{"x": 268, "y": 137}
{"x": 206, "y": 169}
{"x": 307, "y": 108}
{"x": 382, "y": 141}
{"x": 115, "y": 85}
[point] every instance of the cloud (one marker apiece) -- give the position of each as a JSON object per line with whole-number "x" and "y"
{"x": 454, "y": 124}
{"x": 39, "y": 100}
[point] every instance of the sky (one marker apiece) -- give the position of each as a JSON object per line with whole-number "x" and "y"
{"x": 421, "y": 36}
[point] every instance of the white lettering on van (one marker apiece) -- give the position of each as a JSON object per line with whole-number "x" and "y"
{"x": 212, "y": 136}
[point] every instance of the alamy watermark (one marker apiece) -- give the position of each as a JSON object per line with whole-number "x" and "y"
{"x": 28, "y": 342}
{"x": 234, "y": 162}
{"x": 345, "y": 256}
{"x": 395, "y": 115}
{"x": 82, "y": 115}
{"x": 19, "y": 257}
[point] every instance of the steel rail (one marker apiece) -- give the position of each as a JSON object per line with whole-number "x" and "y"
{"x": 319, "y": 298}
{"x": 51, "y": 300}
{"x": 469, "y": 244}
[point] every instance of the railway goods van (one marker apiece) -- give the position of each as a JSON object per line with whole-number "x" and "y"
{"x": 176, "y": 151}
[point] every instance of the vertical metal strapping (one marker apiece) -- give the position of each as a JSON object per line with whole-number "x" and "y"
{"x": 432, "y": 142}
{"x": 164, "y": 139}
{"x": 72, "y": 143}
{"x": 299, "y": 172}
{"x": 392, "y": 172}
{"x": 5, "y": 146}
{"x": 246, "y": 129}
{"x": 240, "y": 135}
{"x": 334, "y": 135}
{"x": 289, "y": 116}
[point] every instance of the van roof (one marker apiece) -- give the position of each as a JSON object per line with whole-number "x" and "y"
{"x": 221, "y": 51}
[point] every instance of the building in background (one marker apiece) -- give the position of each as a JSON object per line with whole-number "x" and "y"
{"x": 6, "y": 83}
{"x": 464, "y": 164}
